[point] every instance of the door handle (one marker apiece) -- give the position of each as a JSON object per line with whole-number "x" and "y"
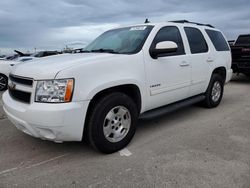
{"x": 209, "y": 60}
{"x": 184, "y": 64}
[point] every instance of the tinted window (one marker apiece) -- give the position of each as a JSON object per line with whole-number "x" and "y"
{"x": 196, "y": 40}
{"x": 169, "y": 33}
{"x": 243, "y": 39}
{"x": 218, "y": 40}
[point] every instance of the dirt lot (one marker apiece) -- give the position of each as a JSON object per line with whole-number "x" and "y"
{"x": 193, "y": 147}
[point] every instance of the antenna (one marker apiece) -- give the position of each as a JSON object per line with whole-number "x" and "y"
{"x": 147, "y": 21}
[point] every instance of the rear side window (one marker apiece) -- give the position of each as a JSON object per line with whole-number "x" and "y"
{"x": 196, "y": 40}
{"x": 218, "y": 40}
{"x": 169, "y": 33}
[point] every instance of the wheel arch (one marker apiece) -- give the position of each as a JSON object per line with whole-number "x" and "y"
{"x": 131, "y": 90}
{"x": 221, "y": 71}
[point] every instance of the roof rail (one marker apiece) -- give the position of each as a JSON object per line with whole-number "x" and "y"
{"x": 186, "y": 21}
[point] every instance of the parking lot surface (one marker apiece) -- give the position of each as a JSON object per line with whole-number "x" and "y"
{"x": 193, "y": 147}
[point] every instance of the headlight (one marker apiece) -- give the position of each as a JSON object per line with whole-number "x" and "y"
{"x": 54, "y": 91}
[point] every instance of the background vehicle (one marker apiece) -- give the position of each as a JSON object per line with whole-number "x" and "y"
{"x": 241, "y": 55}
{"x": 231, "y": 42}
{"x": 136, "y": 71}
{"x": 37, "y": 55}
{"x": 5, "y": 68}
{"x": 2, "y": 57}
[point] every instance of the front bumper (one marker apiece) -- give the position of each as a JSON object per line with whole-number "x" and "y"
{"x": 55, "y": 122}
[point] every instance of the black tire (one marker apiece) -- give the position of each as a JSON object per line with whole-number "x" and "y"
{"x": 209, "y": 102}
{"x": 95, "y": 129}
{"x": 3, "y": 82}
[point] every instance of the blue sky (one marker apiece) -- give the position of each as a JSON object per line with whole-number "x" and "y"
{"x": 53, "y": 24}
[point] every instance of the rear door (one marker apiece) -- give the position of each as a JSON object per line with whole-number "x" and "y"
{"x": 222, "y": 53}
{"x": 200, "y": 58}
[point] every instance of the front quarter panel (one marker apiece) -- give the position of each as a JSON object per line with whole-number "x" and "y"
{"x": 93, "y": 77}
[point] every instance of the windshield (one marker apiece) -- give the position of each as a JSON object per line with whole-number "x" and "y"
{"x": 127, "y": 40}
{"x": 37, "y": 54}
{"x": 243, "y": 39}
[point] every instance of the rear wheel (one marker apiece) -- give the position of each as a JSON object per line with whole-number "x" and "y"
{"x": 214, "y": 91}
{"x": 112, "y": 123}
{"x": 3, "y": 82}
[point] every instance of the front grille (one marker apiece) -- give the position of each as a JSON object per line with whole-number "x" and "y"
{"x": 21, "y": 96}
{"x": 21, "y": 80}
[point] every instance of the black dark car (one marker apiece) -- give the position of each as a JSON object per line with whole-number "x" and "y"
{"x": 241, "y": 55}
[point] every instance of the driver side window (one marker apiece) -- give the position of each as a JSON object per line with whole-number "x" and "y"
{"x": 169, "y": 33}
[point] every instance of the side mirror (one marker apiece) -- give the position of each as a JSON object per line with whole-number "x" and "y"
{"x": 163, "y": 48}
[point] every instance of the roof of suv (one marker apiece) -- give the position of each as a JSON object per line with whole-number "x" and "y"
{"x": 177, "y": 23}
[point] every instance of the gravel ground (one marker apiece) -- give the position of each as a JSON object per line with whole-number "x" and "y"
{"x": 193, "y": 147}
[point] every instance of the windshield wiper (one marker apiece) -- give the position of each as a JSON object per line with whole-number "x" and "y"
{"x": 102, "y": 50}
{"x": 84, "y": 51}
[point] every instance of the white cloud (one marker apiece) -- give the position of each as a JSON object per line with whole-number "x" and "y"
{"x": 82, "y": 34}
{"x": 51, "y": 24}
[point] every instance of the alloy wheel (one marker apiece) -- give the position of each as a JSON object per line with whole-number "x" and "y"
{"x": 117, "y": 124}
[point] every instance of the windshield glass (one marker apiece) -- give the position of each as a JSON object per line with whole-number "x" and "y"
{"x": 244, "y": 39}
{"x": 37, "y": 54}
{"x": 127, "y": 40}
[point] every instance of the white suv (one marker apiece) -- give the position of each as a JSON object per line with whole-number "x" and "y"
{"x": 129, "y": 72}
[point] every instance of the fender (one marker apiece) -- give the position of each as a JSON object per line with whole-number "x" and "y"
{"x": 116, "y": 83}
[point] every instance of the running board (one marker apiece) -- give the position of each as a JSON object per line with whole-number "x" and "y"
{"x": 171, "y": 107}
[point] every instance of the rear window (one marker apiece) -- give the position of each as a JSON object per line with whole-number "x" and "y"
{"x": 243, "y": 39}
{"x": 196, "y": 40}
{"x": 218, "y": 40}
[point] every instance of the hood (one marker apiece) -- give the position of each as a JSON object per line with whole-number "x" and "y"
{"x": 48, "y": 67}
{"x": 8, "y": 62}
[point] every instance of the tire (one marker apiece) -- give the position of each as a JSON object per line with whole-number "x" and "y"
{"x": 114, "y": 114}
{"x": 3, "y": 82}
{"x": 214, "y": 91}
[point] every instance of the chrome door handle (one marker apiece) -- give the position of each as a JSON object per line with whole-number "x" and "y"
{"x": 184, "y": 64}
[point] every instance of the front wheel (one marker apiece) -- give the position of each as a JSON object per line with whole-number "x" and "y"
{"x": 214, "y": 91}
{"x": 112, "y": 123}
{"x": 3, "y": 82}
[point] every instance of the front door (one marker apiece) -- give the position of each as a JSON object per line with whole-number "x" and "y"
{"x": 168, "y": 76}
